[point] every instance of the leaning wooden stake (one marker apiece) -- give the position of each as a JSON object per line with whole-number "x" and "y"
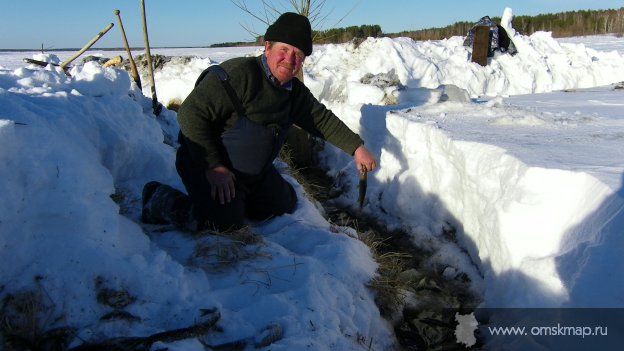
{"x": 86, "y": 47}
{"x": 157, "y": 107}
{"x": 39, "y": 63}
{"x": 133, "y": 69}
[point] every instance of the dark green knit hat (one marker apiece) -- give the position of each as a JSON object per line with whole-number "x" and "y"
{"x": 293, "y": 29}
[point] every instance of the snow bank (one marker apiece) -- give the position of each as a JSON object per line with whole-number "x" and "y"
{"x": 541, "y": 65}
{"x": 76, "y": 153}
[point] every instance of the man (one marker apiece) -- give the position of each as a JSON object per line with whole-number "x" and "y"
{"x": 231, "y": 132}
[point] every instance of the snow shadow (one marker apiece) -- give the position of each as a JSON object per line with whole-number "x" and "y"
{"x": 374, "y": 122}
{"x": 402, "y": 203}
{"x": 592, "y": 269}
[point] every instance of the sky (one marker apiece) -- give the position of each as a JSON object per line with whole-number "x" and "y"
{"x": 520, "y": 157}
{"x": 37, "y": 23}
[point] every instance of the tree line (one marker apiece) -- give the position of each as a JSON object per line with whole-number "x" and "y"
{"x": 342, "y": 35}
{"x": 563, "y": 24}
{"x": 329, "y": 36}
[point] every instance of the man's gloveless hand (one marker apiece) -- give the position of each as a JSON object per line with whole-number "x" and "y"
{"x": 221, "y": 181}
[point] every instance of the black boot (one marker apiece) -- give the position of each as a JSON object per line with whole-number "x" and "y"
{"x": 163, "y": 204}
{"x": 146, "y": 214}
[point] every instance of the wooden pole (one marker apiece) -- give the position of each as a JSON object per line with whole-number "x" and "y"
{"x": 86, "y": 47}
{"x": 155, "y": 105}
{"x": 133, "y": 69}
{"x": 39, "y": 63}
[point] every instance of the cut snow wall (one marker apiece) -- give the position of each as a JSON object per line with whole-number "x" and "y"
{"x": 518, "y": 219}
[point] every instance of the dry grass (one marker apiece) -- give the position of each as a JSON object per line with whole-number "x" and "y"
{"x": 390, "y": 284}
{"x": 217, "y": 251}
{"x": 311, "y": 188}
{"x": 117, "y": 298}
{"x": 242, "y": 235}
{"x": 22, "y": 314}
{"x": 28, "y": 321}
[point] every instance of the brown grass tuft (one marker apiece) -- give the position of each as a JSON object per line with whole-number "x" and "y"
{"x": 390, "y": 284}
{"x": 217, "y": 251}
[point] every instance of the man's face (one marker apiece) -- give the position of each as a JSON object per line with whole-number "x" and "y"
{"x": 284, "y": 60}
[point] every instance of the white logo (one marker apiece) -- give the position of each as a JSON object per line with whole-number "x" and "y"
{"x": 464, "y": 332}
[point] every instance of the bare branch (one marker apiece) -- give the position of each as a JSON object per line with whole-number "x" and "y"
{"x": 269, "y": 10}
{"x": 241, "y": 4}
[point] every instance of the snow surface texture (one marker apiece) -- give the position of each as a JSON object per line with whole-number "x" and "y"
{"x": 522, "y": 157}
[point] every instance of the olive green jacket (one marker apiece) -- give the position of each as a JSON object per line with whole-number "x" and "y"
{"x": 207, "y": 111}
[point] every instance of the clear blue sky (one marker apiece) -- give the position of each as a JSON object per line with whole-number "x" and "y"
{"x": 72, "y": 23}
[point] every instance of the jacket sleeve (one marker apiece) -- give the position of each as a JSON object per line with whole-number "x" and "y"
{"x": 202, "y": 117}
{"x": 315, "y": 118}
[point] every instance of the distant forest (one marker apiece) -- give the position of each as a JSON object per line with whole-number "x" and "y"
{"x": 563, "y": 24}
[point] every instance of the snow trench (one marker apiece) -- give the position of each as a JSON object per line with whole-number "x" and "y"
{"x": 518, "y": 222}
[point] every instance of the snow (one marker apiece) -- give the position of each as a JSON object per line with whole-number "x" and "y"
{"x": 522, "y": 157}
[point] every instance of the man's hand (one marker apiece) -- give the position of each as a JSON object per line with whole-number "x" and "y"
{"x": 362, "y": 157}
{"x": 221, "y": 182}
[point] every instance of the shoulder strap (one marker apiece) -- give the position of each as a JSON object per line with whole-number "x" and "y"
{"x": 225, "y": 82}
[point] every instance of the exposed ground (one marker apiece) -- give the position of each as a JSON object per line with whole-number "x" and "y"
{"x": 413, "y": 294}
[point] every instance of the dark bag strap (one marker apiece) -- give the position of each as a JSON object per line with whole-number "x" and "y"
{"x": 225, "y": 82}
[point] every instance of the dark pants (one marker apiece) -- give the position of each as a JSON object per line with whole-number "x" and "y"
{"x": 257, "y": 197}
